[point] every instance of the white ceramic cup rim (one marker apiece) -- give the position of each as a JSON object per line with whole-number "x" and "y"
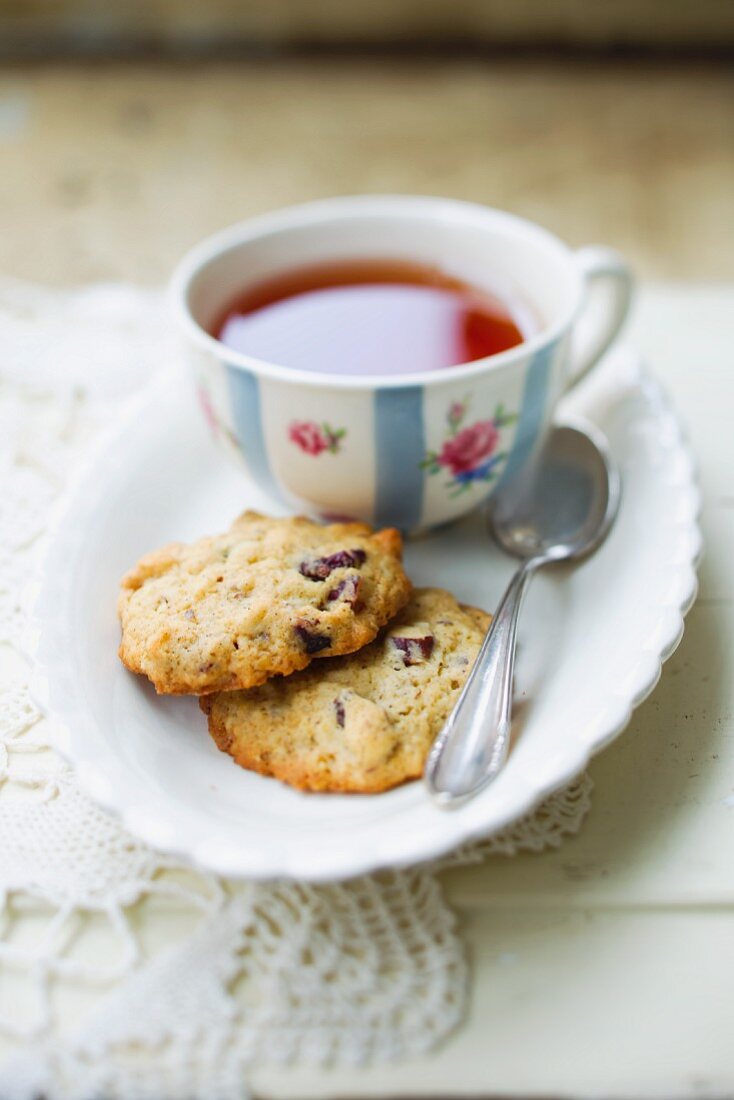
{"x": 330, "y": 210}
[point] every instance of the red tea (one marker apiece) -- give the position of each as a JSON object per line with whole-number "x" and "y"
{"x": 370, "y": 317}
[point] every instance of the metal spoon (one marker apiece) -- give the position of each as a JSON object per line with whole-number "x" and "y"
{"x": 563, "y": 513}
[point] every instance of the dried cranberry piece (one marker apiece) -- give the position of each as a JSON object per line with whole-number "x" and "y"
{"x": 340, "y": 712}
{"x": 313, "y": 642}
{"x": 347, "y": 590}
{"x": 318, "y": 569}
{"x": 414, "y": 650}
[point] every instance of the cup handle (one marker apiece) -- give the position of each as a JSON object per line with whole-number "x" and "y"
{"x": 603, "y": 312}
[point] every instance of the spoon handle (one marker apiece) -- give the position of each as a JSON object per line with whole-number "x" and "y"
{"x": 472, "y": 746}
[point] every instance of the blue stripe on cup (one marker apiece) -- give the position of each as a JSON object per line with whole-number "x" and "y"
{"x": 532, "y": 411}
{"x": 399, "y": 452}
{"x": 244, "y": 390}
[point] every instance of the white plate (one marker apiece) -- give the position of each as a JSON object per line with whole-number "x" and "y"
{"x": 592, "y": 642}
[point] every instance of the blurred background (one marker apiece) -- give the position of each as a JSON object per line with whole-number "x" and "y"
{"x": 131, "y": 128}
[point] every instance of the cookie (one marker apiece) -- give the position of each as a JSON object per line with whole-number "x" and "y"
{"x": 262, "y": 600}
{"x": 359, "y": 723}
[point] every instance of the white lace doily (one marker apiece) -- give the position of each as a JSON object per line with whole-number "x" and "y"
{"x": 367, "y": 970}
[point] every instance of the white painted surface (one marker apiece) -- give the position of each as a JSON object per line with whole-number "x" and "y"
{"x": 621, "y": 942}
{"x": 623, "y": 985}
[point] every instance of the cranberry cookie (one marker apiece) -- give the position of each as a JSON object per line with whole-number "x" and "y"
{"x": 263, "y": 599}
{"x": 359, "y": 723}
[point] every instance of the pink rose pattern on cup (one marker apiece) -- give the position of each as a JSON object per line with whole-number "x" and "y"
{"x": 215, "y": 425}
{"x": 208, "y": 409}
{"x": 314, "y": 439}
{"x": 470, "y": 451}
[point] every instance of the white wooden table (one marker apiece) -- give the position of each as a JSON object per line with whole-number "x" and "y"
{"x": 606, "y": 968}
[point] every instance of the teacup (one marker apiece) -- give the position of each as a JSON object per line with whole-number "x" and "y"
{"x": 412, "y": 450}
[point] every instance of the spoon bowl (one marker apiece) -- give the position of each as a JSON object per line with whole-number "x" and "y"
{"x": 562, "y": 512}
{"x": 567, "y": 507}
